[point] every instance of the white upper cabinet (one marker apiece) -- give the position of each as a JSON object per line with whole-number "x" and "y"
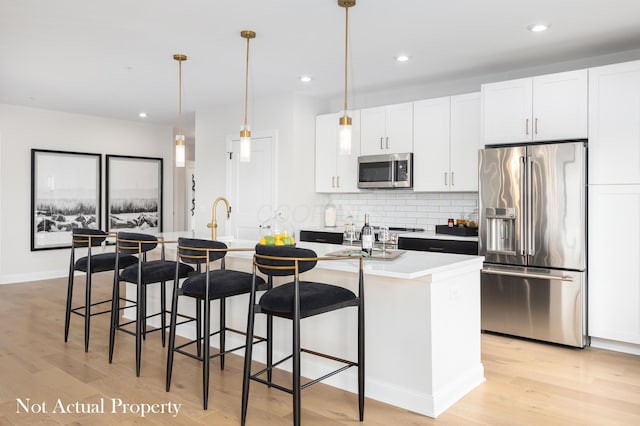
{"x": 387, "y": 129}
{"x": 614, "y": 124}
{"x": 335, "y": 172}
{"x": 465, "y": 142}
{"x": 446, "y": 141}
{"x": 543, "y": 108}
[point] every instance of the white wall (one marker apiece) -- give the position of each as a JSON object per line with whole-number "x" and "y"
{"x": 292, "y": 119}
{"x": 25, "y": 128}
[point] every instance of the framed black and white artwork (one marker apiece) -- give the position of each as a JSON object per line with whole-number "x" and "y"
{"x": 134, "y": 194}
{"x": 65, "y": 194}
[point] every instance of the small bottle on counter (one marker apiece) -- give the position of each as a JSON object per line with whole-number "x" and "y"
{"x": 450, "y": 223}
{"x": 366, "y": 236}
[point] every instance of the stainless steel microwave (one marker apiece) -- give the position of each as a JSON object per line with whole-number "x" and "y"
{"x": 385, "y": 171}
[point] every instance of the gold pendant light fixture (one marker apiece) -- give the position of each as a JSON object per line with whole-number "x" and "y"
{"x": 345, "y": 120}
{"x": 245, "y": 132}
{"x": 180, "y": 146}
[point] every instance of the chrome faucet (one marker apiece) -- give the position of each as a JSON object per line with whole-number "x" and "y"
{"x": 214, "y": 223}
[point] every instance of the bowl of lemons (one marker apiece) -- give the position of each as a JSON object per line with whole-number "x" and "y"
{"x": 277, "y": 231}
{"x": 279, "y": 239}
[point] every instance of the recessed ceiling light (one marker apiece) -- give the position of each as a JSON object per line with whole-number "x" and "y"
{"x": 402, "y": 58}
{"x": 538, "y": 28}
{"x": 142, "y": 115}
{"x": 305, "y": 79}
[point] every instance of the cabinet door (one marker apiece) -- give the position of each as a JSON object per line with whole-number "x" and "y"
{"x": 399, "y": 128}
{"x": 347, "y": 165}
{"x": 464, "y": 142}
{"x": 431, "y": 145}
{"x": 614, "y": 270}
{"x": 373, "y": 130}
{"x": 560, "y": 106}
{"x": 614, "y": 124}
{"x": 506, "y": 111}
{"x": 326, "y": 152}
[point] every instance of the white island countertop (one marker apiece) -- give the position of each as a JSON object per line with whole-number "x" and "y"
{"x": 409, "y": 265}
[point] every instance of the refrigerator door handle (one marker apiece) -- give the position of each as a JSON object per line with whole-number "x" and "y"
{"x": 528, "y": 275}
{"x": 522, "y": 205}
{"x": 530, "y": 242}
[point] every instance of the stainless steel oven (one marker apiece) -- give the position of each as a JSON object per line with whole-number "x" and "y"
{"x": 385, "y": 171}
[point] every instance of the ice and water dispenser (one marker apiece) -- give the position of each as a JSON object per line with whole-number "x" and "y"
{"x": 501, "y": 230}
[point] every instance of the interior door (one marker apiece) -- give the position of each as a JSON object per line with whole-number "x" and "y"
{"x": 557, "y": 200}
{"x": 251, "y": 187}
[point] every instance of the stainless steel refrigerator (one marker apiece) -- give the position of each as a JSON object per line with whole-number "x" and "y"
{"x": 532, "y": 233}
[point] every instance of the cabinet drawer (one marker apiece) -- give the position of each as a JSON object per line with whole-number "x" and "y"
{"x": 321, "y": 237}
{"x": 436, "y": 245}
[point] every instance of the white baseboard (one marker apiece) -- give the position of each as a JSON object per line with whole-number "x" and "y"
{"x": 613, "y": 345}
{"x": 32, "y": 276}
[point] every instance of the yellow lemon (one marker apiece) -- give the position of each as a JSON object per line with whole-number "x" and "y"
{"x": 279, "y": 243}
{"x": 263, "y": 241}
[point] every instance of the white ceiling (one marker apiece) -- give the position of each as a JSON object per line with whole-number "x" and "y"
{"x": 113, "y": 58}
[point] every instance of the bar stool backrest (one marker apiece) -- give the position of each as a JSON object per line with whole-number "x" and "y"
{"x": 83, "y": 237}
{"x": 195, "y": 251}
{"x": 131, "y": 242}
{"x": 271, "y": 260}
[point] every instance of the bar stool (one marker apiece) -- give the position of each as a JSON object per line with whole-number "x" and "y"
{"x": 206, "y": 287}
{"x": 143, "y": 273}
{"x": 89, "y": 264}
{"x": 294, "y": 301}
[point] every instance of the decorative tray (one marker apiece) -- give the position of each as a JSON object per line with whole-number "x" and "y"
{"x": 377, "y": 254}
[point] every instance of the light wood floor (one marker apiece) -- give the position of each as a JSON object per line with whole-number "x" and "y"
{"x": 527, "y": 383}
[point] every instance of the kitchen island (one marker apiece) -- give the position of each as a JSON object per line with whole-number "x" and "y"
{"x": 422, "y": 325}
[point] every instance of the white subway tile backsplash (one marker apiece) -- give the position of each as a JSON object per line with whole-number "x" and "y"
{"x": 405, "y": 209}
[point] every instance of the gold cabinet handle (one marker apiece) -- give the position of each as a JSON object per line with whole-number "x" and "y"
{"x": 387, "y": 142}
{"x": 526, "y": 126}
{"x": 535, "y": 124}
{"x": 445, "y": 179}
{"x": 381, "y": 147}
{"x": 452, "y": 179}
{"x": 333, "y": 181}
{"x": 338, "y": 181}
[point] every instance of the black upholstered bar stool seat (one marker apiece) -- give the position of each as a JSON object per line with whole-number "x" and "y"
{"x": 315, "y": 298}
{"x": 205, "y": 287}
{"x": 143, "y": 273}
{"x": 296, "y": 300}
{"x": 90, "y": 264}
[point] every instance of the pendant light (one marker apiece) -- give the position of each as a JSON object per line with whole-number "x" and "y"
{"x": 180, "y": 147}
{"x": 345, "y": 120}
{"x": 245, "y": 131}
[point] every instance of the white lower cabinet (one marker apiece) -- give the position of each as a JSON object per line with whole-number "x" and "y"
{"x": 335, "y": 172}
{"x": 614, "y": 263}
{"x": 446, "y": 134}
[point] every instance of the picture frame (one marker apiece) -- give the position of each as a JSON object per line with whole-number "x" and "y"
{"x": 133, "y": 194}
{"x": 66, "y": 193}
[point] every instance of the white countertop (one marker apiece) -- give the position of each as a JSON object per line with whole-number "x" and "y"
{"x": 410, "y": 265}
{"x": 424, "y": 235}
{"x": 431, "y": 235}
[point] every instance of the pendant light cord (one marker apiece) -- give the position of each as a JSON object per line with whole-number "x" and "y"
{"x": 246, "y": 85}
{"x": 346, "y": 55}
{"x": 179, "y": 97}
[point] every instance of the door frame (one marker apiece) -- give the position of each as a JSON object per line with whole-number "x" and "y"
{"x": 273, "y": 134}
